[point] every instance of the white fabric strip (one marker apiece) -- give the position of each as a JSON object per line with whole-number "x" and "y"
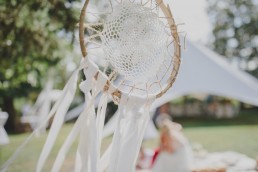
{"x": 60, "y": 109}
{"x": 58, "y": 121}
{"x": 93, "y": 144}
{"x": 116, "y": 142}
{"x": 133, "y": 119}
{"x": 87, "y": 116}
{"x": 104, "y": 161}
{"x": 84, "y": 142}
{"x": 100, "y": 124}
{"x": 72, "y": 136}
{"x": 101, "y": 113}
{"x": 87, "y": 149}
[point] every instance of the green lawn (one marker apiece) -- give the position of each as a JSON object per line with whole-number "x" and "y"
{"x": 27, "y": 159}
{"x": 238, "y": 134}
{"x": 242, "y": 138}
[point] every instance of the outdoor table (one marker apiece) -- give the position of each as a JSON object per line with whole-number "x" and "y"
{"x": 3, "y": 135}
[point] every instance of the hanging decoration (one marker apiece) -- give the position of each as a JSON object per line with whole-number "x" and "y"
{"x": 141, "y": 55}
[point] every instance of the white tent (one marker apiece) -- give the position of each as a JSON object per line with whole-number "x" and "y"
{"x": 205, "y": 72}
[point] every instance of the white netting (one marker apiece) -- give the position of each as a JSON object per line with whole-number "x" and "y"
{"x": 134, "y": 41}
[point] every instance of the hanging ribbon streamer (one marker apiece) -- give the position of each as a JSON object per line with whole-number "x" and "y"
{"x": 132, "y": 121}
{"x": 57, "y": 122}
{"x": 104, "y": 161}
{"x": 89, "y": 127}
{"x": 85, "y": 116}
{"x": 81, "y": 121}
{"x": 59, "y": 116}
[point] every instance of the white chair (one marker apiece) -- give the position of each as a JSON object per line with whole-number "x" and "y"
{"x": 38, "y": 112}
{"x": 3, "y": 135}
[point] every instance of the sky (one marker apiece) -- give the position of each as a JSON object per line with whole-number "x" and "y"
{"x": 195, "y": 18}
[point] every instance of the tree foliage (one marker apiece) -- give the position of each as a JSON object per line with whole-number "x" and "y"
{"x": 33, "y": 36}
{"x": 235, "y": 30}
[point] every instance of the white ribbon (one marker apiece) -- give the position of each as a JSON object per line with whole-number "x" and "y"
{"x": 58, "y": 120}
{"x": 81, "y": 121}
{"x": 90, "y": 128}
{"x": 104, "y": 161}
{"x": 66, "y": 100}
{"x": 132, "y": 121}
{"x": 85, "y": 120}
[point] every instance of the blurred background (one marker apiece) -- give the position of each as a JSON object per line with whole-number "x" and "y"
{"x": 215, "y": 98}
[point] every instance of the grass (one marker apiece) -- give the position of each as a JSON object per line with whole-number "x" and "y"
{"x": 26, "y": 161}
{"x": 239, "y": 134}
{"x": 242, "y": 139}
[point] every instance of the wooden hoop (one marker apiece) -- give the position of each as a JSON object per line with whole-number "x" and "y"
{"x": 177, "y": 47}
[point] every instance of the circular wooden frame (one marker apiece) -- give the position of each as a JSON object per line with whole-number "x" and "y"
{"x": 177, "y": 47}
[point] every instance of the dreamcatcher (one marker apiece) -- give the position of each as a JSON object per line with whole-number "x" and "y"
{"x": 142, "y": 57}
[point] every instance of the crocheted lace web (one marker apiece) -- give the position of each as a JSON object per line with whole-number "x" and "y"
{"x": 134, "y": 41}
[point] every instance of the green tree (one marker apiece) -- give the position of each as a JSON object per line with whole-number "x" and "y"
{"x": 235, "y": 30}
{"x": 33, "y": 36}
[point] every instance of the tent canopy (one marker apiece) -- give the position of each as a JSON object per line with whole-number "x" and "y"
{"x": 204, "y": 71}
